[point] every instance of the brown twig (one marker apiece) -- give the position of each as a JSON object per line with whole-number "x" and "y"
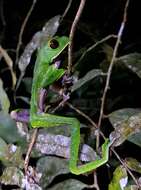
{"x": 126, "y": 167}
{"x": 86, "y": 117}
{"x": 82, "y": 114}
{"x": 94, "y": 46}
{"x": 72, "y": 32}
{"x": 119, "y": 36}
{"x": 67, "y": 8}
{"x": 22, "y": 30}
{"x": 95, "y": 185}
{"x": 32, "y": 142}
{"x": 9, "y": 62}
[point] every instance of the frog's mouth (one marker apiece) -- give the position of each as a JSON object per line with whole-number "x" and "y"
{"x": 60, "y": 61}
{"x": 57, "y": 64}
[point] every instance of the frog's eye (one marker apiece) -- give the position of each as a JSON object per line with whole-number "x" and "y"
{"x": 54, "y": 44}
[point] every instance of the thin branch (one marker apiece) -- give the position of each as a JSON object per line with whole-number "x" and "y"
{"x": 9, "y": 62}
{"x": 119, "y": 36}
{"x": 94, "y": 46}
{"x": 83, "y": 114}
{"x": 30, "y": 147}
{"x": 67, "y": 9}
{"x": 126, "y": 167}
{"x": 95, "y": 185}
{"x": 86, "y": 117}
{"x": 72, "y": 32}
{"x": 22, "y": 30}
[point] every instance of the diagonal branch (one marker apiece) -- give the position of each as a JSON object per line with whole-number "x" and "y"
{"x": 119, "y": 36}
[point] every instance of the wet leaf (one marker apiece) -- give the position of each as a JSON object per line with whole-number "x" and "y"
{"x": 59, "y": 145}
{"x": 133, "y": 164}
{"x": 8, "y": 129}
{"x": 9, "y": 63}
{"x": 70, "y": 184}
{"x": 50, "y": 167}
{"x": 132, "y": 61}
{"x": 12, "y": 176}
{"x": 87, "y": 78}
{"x": 51, "y": 27}
{"x": 3, "y": 149}
{"x": 119, "y": 180}
{"x": 131, "y": 187}
{"x": 48, "y": 30}
{"x": 127, "y": 122}
{"x": 10, "y": 155}
{"x": 136, "y": 139}
{"x": 15, "y": 156}
{"x": 119, "y": 116}
{"x": 4, "y": 101}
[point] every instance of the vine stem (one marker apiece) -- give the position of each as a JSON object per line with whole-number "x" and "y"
{"x": 126, "y": 167}
{"x": 22, "y": 30}
{"x": 67, "y": 9}
{"x": 9, "y": 62}
{"x": 30, "y": 147}
{"x": 119, "y": 36}
{"x": 72, "y": 32}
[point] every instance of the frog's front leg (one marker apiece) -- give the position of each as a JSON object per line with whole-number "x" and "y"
{"x": 47, "y": 120}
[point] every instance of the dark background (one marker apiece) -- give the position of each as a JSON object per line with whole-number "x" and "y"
{"x": 99, "y": 19}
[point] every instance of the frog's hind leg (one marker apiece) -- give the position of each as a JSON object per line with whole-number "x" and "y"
{"x": 20, "y": 115}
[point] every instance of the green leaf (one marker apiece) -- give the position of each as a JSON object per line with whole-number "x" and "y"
{"x": 4, "y": 101}
{"x": 8, "y": 129}
{"x": 136, "y": 139}
{"x": 127, "y": 122}
{"x": 131, "y": 187}
{"x": 133, "y": 164}
{"x": 50, "y": 167}
{"x": 119, "y": 116}
{"x": 119, "y": 180}
{"x": 132, "y": 61}
{"x": 15, "y": 157}
{"x": 12, "y": 176}
{"x": 87, "y": 78}
{"x": 3, "y": 149}
{"x": 10, "y": 155}
{"x": 70, "y": 184}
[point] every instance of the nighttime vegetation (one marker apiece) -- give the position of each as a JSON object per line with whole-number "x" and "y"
{"x": 61, "y": 63}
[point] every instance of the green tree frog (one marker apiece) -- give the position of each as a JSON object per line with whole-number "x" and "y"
{"x": 45, "y": 74}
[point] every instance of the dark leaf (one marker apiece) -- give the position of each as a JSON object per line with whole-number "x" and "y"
{"x": 4, "y": 101}
{"x": 127, "y": 122}
{"x": 87, "y": 78}
{"x": 132, "y": 61}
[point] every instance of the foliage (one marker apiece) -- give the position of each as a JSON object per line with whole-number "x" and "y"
{"x": 94, "y": 45}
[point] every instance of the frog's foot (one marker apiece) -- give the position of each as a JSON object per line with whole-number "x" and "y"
{"x": 21, "y": 115}
{"x": 67, "y": 80}
{"x": 66, "y": 97}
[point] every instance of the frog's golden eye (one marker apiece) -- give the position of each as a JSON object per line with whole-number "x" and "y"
{"x": 54, "y": 44}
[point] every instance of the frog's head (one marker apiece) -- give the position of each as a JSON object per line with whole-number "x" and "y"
{"x": 47, "y": 64}
{"x": 53, "y": 48}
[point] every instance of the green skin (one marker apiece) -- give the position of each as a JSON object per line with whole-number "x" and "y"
{"x": 45, "y": 74}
